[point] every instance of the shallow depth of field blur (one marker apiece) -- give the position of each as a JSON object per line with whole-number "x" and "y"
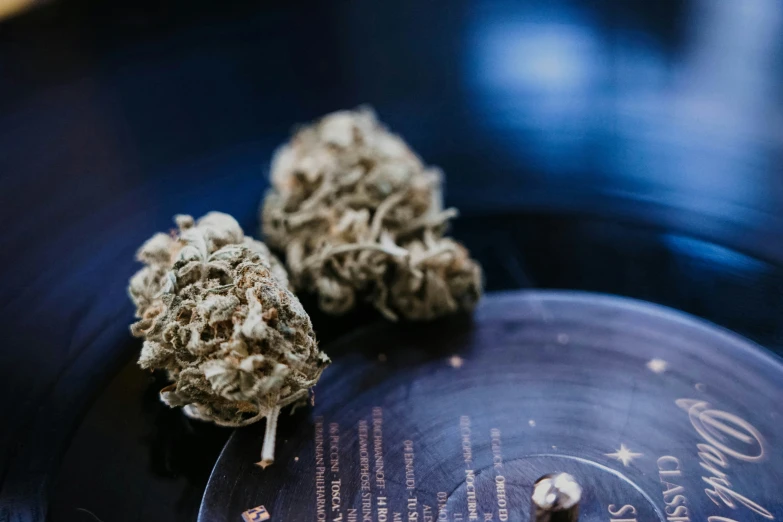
{"x": 629, "y": 147}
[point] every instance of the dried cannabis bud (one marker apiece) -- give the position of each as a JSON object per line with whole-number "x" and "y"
{"x": 359, "y": 216}
{"x": 215, "y": 313}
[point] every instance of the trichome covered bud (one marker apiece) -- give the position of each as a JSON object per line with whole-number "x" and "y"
{"x": 360, "y": 217}
{"x": 215, "y": 312}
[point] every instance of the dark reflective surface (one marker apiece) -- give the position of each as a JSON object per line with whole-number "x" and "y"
{"x": 626, "y": 147}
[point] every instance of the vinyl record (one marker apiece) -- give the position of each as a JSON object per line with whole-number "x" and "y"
{"x": 656, "y": 415}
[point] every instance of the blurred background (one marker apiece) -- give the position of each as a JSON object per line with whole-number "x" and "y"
{"x": 627, "y": 147}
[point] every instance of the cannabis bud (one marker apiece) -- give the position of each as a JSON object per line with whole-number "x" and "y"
{"x": 360, "y": 217}
{"x": 215, "y": 313}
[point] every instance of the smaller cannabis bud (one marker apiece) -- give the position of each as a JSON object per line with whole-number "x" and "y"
{"x": 215, "y": 312}
{"x": 360, "y": 217}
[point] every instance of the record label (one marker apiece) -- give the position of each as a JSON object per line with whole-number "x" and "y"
{"x": 656, "y": 415}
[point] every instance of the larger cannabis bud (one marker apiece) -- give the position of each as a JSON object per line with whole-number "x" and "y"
{"x": 359, "y": 216}
{"x": 215, "y": 313}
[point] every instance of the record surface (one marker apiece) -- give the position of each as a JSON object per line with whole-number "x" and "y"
{"x": 657, "y": 415}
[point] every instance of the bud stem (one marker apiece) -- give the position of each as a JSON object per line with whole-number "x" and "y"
{"x": 268, "y": 447}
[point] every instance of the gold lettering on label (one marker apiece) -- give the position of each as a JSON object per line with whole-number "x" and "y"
{"x": 622, "y": 511}
{"x": 669, "y": 470}
{"x": 470, "y": 493}
{"x": 334, "y": 447}
{"x": 364, "y": 471}
{"x": 707, "y": 423}
{"x": 500, "y": 480}
{"x": 334, "y": 467}
{"x": 677, "y": 514}
{"x": 443, "y": 514}
{"x": 382, "y": 511}
{"x": 377, "y": 438}
{"x": 427, "y": 514}
{"x": 671, "y": 489}
{"x": 722, "y": 490}
{"x": 336, "y": 485}
{"x": 320, "y": 471}
{"x": 497, "y": 456}
{"x": 725, "y": 435}
{"x": 470, "y": 477}
{"x": 464, "y": 430}
{"x": 668, "y": 463}
{"x": 352, "y": 515}
{"x": 710, "y": 457}
{"x": 409, "y": 457}
{"x": 413, "y": 509}
{"x": 367, "y": 507}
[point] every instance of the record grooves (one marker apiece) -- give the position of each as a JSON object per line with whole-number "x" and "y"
{"x": 659, "y": 416}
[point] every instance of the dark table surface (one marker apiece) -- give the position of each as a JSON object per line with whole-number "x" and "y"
{"x": 629, "y": 147}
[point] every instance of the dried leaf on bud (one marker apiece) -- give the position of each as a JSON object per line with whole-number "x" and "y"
{"x": 360, "y": 217}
